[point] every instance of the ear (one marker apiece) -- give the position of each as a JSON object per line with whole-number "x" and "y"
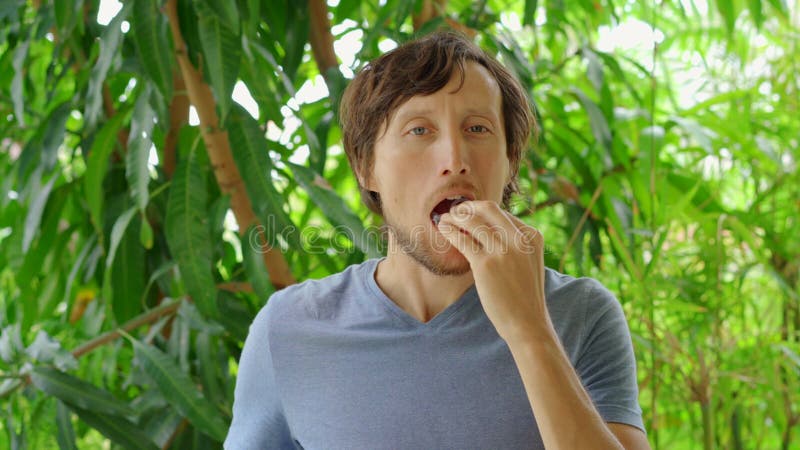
{"x": 367, "y": 181}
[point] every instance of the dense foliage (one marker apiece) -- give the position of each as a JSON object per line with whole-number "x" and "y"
{"x": 137, "y": 242}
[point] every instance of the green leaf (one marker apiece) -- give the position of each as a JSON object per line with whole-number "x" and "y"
{"x": 226, "y": 12}
{"x": 727, "y": 10}
{"x": 117, "y": 232}
{"x": 40, "y": 195}
{"x": 53, "y": 134}
{"x": 702, "y": 135}
{"x": 127, "y": 277}
{"x": 139, "y": 142}
{"x": 109, "y": 45}
{"x": 529, "y": 16}
{"x": 66, "y": 15}
{"x": 66, "y": 434}
{"x": 253, "y": 256}
{"x": 336, "y": 210}
{"x": 186, "y": 227}
{"x": 597, "y": 120}
{"x": 20, "y": 54}
{"x": 179, "y": 390}
{"x": 120, "y": 430}
{"x": 222, "y": 54}
{"x": 152, "y": 44}
{"x": 211, "y": 371}
{"x": 297, "y": 27}
{"x": 755, "y": 11}
{"x": 97, "y": 166}
{"x": 594, "y": 70}
{"x": 146, "y": 233}
{"x": 76, "y": 392}
{"x": 249, "y": 147}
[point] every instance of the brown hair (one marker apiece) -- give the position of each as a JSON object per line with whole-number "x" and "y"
{"x": 422, "y": 67}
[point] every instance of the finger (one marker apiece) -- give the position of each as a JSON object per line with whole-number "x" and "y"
{"x": 486, "y": 222}
{"x": 459, "y": 238}
{"x": 529, "y": 238}
{"x": 473, "y": 226}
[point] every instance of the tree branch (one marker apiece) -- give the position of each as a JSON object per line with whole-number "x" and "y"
{"x": 320, "y": 37}
{"x": 178, "y": 116}
{"x": 219, "y": 151}
{"x": 148, "y": 317}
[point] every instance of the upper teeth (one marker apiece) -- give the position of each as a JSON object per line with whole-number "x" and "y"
{"x": 456, "y": 197}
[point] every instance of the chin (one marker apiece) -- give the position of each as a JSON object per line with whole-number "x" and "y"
{"x": 453, "y": 263}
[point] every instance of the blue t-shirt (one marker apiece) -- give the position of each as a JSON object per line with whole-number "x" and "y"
{"x": 335, "y": 364}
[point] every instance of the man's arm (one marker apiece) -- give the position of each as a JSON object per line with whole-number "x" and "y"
{"x": 508, "y": 266}
{"x": 565, "y": 414}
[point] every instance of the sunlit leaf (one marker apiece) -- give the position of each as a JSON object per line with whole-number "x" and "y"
{"x": 17, "y": 95}
{"x": 530, "y": 12}
{"x": 250, "y": 151}
{"x": 139, "y": 142}
{"x": 222, "y": 52}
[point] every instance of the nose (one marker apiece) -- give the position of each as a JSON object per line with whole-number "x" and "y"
{"x": 454, "y": 159}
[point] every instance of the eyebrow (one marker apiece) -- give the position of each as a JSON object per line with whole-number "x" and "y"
{"x": 404, "y": 116}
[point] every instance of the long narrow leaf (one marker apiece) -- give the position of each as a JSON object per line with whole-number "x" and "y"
{"x": 227, "y": 12}
{"x": 118, "y": 429}
{"x": 17, "y": 96}
{"x": 35, "y": 210}
{"x": 139, "y": 143}
{"x": 109, "y": 44}
{"x": 187, "y": 230}
{"x": 253, "y": 258}
{"x": 97, "y": 166}
{"x": 66, "y": 434}
{"x": 128, "y": 276}
{"x": 180, "y": 390}
{"x": 76, "y": 392}
{"x": 222, "y": 54}
{"x": 152, "y": 44}
{"x": 336, "y": 210}
{"x": 597, "y": 121}
{"x": 249, "y": 148}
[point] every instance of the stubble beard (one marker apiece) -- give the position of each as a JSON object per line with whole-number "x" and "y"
{"x": 418, "y": 245}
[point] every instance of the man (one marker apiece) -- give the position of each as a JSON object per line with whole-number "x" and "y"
{"x": 460, "y": 338}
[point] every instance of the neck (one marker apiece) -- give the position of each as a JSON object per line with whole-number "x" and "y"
{"x": 415, "y": 289}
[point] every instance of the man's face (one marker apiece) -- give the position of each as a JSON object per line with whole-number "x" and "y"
{"x": 450, "y": 144}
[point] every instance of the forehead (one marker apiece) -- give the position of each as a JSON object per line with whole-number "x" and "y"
{"x": 474, "y": 90}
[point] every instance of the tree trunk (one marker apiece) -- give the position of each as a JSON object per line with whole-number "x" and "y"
{"x": 219, "y": 151}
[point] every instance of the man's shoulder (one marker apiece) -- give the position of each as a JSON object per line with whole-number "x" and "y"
{"x": 313, "y": 298}
{"x": 576, "y": 294}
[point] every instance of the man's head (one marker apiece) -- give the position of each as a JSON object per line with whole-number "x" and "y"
{"x": 421, "y": 68}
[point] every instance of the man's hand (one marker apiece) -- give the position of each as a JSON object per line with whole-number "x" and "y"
{"x": 507, "y": 261}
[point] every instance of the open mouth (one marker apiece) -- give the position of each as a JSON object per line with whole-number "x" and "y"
{"x": 445, "y": 206}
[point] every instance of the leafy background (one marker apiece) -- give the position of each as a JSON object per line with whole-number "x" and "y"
{"x": 137, "y": 241}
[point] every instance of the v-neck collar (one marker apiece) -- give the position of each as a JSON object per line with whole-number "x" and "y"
{"x": 469, "y": 297}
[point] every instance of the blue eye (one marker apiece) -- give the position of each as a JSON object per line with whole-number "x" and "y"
{"x": 477, "y": 129}
{"x": 418, "y": 131}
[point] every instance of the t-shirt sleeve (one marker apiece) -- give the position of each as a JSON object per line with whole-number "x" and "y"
{"x": 607, "y": 365}
{"x": 258, "y": 417}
